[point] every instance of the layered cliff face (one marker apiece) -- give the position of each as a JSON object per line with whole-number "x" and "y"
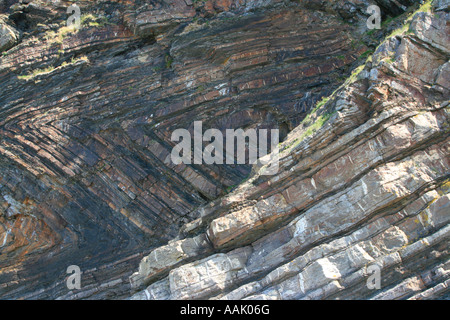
{"x": 86, "y": 179}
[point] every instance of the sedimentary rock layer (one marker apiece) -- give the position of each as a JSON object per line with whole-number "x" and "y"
{"x": 86, "y": 122}
{"x": 86, "y": 179}
{"x": 369, "y": 188}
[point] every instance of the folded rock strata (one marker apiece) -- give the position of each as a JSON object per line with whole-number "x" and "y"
{"x": 369, "y": 188}
{"x": 86, "y": 118}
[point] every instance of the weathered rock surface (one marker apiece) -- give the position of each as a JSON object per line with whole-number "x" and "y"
{"x": 369, "y": 188}
{"x": 86, "y": 118}
{"x": 8, "y": 36}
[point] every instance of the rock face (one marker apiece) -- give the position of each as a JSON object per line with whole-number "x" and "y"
{"x": 8, "y": 36}
{"x": 86, "y": 118}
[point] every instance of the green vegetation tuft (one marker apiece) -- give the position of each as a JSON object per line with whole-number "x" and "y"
{"x": 90, "y": 20}
{"x": 317, "y": 124}
{"x": 36, "y": 72}
{"x": 86, "y": 21}
{"x": 366, "y": 54}
{"x": 169, "y": 61}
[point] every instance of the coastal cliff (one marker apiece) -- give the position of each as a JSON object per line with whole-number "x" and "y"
{"x": 86, "y": 118}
